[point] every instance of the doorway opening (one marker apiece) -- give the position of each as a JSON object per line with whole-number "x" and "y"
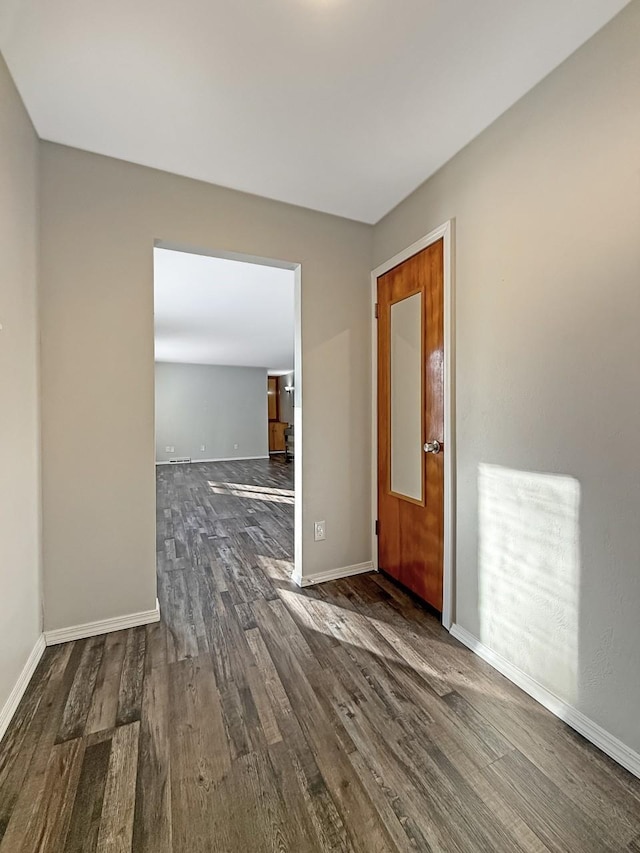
{"x": 228, "y": 497}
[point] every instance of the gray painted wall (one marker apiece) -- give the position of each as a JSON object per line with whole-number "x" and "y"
{"x": 99, "y": 220}
{"x": 546, "y": 205}
{"x": 210, "y": 405}
{"x": 20, "y": 583}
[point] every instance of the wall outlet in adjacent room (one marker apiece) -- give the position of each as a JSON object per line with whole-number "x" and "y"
{"x": 169, "y": 448}
{"x": 202, "y": 447}
{"x": 235, "y": 446}
{"x": 319, "y": 531}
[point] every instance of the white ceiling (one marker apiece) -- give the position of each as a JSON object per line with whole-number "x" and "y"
{"x": 215, "y": 311}
{"x": 339, "y": 105}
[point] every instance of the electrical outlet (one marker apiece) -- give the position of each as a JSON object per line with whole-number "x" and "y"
{"x": 169, "y": 448}
{"x": 202, "y": 447}
{"x": 319, "y": 531}
{"x": 235, "y": 446}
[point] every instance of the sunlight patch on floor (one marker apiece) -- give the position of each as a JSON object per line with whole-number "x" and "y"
{"x": 274, "y": 568}
{"x": 332, "y": 620}
{"x": 244, "y": 487}
{"x": 274, "y": 496}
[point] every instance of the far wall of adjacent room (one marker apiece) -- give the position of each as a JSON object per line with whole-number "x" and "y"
{"x": 219, "y": 408}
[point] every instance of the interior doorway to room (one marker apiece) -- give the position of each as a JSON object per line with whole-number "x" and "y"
{"x": 410, "y": 419}
{"x": 280, "y": 411}
{"x": 227, "y": 361}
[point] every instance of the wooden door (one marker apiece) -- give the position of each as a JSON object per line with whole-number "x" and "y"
{"x": 411, "y": 423}
{"x": 277, "y": 442}
{"x": 272, "y": 398}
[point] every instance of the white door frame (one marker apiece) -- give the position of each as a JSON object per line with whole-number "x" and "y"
{"x": 444, "y": 232}
{"x": 296, "y": 268}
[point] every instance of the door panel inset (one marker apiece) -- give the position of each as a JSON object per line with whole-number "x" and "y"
{"x": 407, "y": 404}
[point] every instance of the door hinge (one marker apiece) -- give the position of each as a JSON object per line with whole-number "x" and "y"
{"x": 377, "y": 527}
{"x": 376, "y": 310}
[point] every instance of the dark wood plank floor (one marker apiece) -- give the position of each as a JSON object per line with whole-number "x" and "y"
{"x": 260, "y": 717}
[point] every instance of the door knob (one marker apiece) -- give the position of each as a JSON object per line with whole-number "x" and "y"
{"x": 432, "y": 447}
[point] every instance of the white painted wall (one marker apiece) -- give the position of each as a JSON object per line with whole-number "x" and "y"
{"x": 338, "y": 105}
{"x": 546, "y": 205}
{"x": 213, "y": 406}
{"x": 20, "y": 539}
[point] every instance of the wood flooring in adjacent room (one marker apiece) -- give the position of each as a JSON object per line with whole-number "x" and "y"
{"x": 261, "y": 717}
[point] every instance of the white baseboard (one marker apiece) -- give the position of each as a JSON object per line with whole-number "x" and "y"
{"x": 10, "y": 706}
{"x": 333, "y": 574}
{"x": 102, "y": 626}
{"x": 220, "y": 459}
{"x": 595, "y": 734}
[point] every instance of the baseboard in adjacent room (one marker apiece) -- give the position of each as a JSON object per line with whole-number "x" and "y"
{"x": 333, "y": 574}
{"x": 10, "y": 706}
{"x": 220, "y": 459}
{"x": 595, "y": 734}
{"x": 102, "y": 626}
